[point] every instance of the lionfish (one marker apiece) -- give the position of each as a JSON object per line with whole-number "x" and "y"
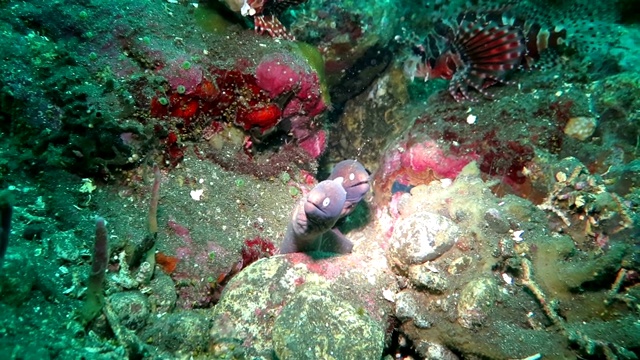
{"x": 264, "y": 14}
{"x": 483, "y": 47}
{"x": 480, "y": 49}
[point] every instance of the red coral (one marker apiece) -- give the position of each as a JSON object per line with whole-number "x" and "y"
{"x": 255, "y": 249}
{"x": 252, "y": 250}
{"x": 174, "y": 151}
{"x": 314, "y": 144}
{"x": 264, "y": 117}
{"x": 167, "y": 263}
{"x": 197, "y": 99}
{"x": 507, "y": 160}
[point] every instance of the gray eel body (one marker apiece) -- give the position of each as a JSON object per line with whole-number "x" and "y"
{"x": 313, "y": 219}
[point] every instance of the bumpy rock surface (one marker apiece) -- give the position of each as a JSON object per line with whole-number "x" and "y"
{"x": 409, "y": 308}
{"x": 316, "y": 324}
{"x": 287, "y": 305}
{"x": 476, "y": 301}
{"x": 184, "y": 331}
{"x": 421, "y": 237}
{"x": 132, "y": 308}
{"x": 17, "y": 278}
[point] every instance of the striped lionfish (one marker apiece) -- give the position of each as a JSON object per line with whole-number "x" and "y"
{"x": 264, "y": 14}
{"x": 482, "y": 48}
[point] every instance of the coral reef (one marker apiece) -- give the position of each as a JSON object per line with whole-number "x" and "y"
{"x": 190, "y": 137}
{"x": 503, "y": 258}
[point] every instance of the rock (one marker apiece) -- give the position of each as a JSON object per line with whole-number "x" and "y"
{"x": 460, "y": 264}
{"x": 163, "y": 295}
{"x": 423, "y": 277}
{"x": 409, "y": 307}
{"x": 131, "y": 307}
{"x": 421, "y": 237}
{"x": 476, "y": 300}
{"x": 434, "y": 351}
{"x": 496, "y": 221}
{"x": 65, "y": 246}
{"x": 183, "y": 331}
{"x": 316, "y": 324}
{"x": 17, "y": 278}
{"x": 33, "y": 231}
{"x": 244, "y": 320}
{"x": 581, "y": 127}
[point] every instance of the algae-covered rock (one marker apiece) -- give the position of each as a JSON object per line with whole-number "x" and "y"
{"x": 421, "y": 237}
{"x": 476, "y": 300}
{"x": 183, "y": 331}
{"x": 250, "y": 303}
{"x": 316, "y": 324}
{"x": 131, "y": 307}
{"x": 425, "y": 278}
{"x": 409, "y": 307}
{"x": 339, "y": 297}
{"x": 17, "y": 277}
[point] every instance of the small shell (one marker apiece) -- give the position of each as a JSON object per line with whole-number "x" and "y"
{"x": 389, "y": 295}
{"x": 507, "y": 279}
{"x": 517, "y": 236}
{"x": 581, "y": 127}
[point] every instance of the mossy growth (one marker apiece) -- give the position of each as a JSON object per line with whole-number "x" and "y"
{"x": 214, "y": 17}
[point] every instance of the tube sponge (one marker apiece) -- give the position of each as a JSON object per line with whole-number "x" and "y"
{"x": 6, "y": 209}
{"x": 95, "y": 296}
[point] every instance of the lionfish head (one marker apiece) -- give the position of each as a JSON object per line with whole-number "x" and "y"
{"x": 431, "y": 59}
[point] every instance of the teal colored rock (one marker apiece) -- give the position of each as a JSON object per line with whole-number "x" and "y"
{"x": 17, "y": 278}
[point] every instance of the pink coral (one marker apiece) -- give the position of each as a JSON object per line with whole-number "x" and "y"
{"x": 182, "y": 73}
{"x": 428, "y": 155}
{"x": 315, "y": 144}
{"x": 285, "y": 75}
{"x": 279, "y": 74}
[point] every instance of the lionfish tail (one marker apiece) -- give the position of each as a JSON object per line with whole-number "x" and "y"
{"x": 486, "y": 53}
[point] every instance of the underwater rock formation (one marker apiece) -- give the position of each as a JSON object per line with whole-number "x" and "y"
{"x": 262, "y": 321}
{"x": 490, "y": 222}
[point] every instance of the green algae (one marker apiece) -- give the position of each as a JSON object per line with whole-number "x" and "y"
{"x": 315, "y": 60}
{"x": 214, "y": 18}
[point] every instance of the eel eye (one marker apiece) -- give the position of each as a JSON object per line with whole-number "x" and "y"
{"x": 352, "y": 176}
{"x": 326, "y": 202}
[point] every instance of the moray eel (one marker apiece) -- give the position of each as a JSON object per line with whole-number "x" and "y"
{"x": 314, "y": 217}
{"x": 355, "y": 181}
{"x": 311, "y": 226}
